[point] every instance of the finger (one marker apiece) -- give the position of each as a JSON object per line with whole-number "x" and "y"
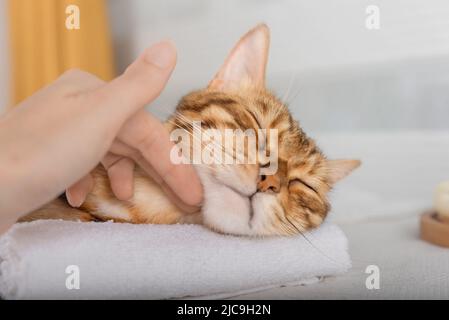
{"x": 75, "y": 80}
{"x": 186, "y": 208}
{"x": 77, "y": 193}
{"x": 118, "y": 148}
{"x": 141, "y": 83}
{"x": 109, "y": 159}
{"x": 148, "y": 135}
{"x": 121, "y": 177}
{"x": 121, "y": 149}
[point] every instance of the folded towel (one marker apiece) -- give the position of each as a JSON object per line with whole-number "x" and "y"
{"x": 128, "y": 261}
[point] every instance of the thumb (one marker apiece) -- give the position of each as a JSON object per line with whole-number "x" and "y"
{"x": 142, "y": 81}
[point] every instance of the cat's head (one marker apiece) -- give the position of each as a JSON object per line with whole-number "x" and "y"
{"x": 281, "y": 193}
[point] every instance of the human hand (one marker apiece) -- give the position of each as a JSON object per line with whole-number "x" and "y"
{"x": 61, "y": 133}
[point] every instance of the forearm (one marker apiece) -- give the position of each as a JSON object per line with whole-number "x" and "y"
{"x": 38, "y": 160}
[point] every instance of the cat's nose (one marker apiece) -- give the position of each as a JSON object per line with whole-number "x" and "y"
{"x": 269, "y": 183}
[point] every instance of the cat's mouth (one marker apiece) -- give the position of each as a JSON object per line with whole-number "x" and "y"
{"x": 251, "y": 209}
{"x": 249, "y": 196}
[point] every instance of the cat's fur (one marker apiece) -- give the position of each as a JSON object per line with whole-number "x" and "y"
{"x": 237, "y": 199}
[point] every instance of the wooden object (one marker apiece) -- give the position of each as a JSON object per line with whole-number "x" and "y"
{"x": 435, "y": 228}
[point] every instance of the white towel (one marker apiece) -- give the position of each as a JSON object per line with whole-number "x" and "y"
{"x": 128, "y": 261}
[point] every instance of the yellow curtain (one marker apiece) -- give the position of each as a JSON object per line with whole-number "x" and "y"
{"x": 43, "y": 47}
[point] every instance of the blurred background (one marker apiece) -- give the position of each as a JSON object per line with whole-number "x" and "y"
{"x": 335, "y": 73}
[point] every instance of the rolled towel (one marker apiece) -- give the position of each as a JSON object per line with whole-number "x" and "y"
{"x": 71, "y": 260}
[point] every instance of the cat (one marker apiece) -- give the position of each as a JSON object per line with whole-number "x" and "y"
{"x": 238, "y": 198}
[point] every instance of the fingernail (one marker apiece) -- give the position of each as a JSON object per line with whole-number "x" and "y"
{"x": 161, "y": 54}
{"x": 73, "y": 201}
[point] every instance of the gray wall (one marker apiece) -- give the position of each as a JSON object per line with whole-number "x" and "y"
{"x": 336, "y": 74}
{"x": 341, "y": 75}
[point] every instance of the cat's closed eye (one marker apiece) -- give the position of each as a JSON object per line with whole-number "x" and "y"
{"x": 298, "y": 181}
{"x": 265, "y": 165}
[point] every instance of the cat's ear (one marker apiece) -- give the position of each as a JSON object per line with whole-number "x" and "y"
{"x": 338, "y": 169}
{"x": 246, "y": 63}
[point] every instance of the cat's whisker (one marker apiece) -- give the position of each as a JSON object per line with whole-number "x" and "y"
{"x": 198, "y": 140}
{"x": 309, "y": 241}
{"x": 208, "y": 147}
{"x": 183, "y": 118}
{"x": 293, "y": 98}
{"x": 235, "y": 155}
{"x": 290, "y": 84}
{"x": 187, "y": 131}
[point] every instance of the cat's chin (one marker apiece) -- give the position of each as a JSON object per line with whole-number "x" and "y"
{"x": 230, "y": 211}
{"x": 224, "y": 209}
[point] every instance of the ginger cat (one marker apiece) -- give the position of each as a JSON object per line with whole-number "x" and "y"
{"x": 238, "y": 199}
